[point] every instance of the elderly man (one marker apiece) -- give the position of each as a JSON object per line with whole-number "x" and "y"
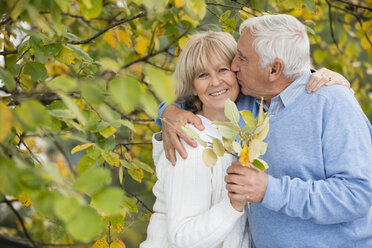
{"x": 318, "y": 189}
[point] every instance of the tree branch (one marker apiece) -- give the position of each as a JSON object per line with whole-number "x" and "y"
{"x": 155, "y": 53}
{"x": 355, "y": 5}
{"x": 106, "y": 29}
{"x": 5, "y": 53}
{"x": 331, "y": 26}
{"x": 19, "y": 217}
{"x": 219, "y": 18}
{"x": 139, "y": 200}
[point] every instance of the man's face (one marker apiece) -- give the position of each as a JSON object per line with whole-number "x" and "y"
{"x": 252, "y": 78}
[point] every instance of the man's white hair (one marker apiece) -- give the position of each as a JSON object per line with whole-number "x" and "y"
{"x": 283, "y": 37}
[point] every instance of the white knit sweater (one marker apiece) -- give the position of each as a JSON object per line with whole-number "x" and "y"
{"x": 192, "y": 208}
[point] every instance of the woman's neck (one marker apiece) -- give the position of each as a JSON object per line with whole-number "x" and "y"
{"x": 213, "y": 115}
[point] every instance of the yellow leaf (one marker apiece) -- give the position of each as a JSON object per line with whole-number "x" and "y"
{"x": 128, "y": 157}
{"x": 108, "y": 131}
{"x": 136, "y": 174}
{"x": 218, "y": 148}
{"x": 80, "y": 147}
{"x": 117, "y": 243}
{"x": 62, "y": 166}
{"x": 182, "y": 42}
{"x": 193, "y": 22}
{"x": 24, "y": 199}
{"x": 111, "y": 158}
{"x": 6, "y": 120}
{"x": 179, "y": 3}
{"x": 66, "y": 55}
{"x": 255, "y": 149}
{"x": 244, "y": 158}
{"x": 141, "y": 45}
{"x": 209, "y": 158}
{"x": 262, "y": 135}
{"x": 101, "y": 243}
{"x": 260, "y": 114}
{"x": 111, "y": 37}
{"x": 125, "y": 37}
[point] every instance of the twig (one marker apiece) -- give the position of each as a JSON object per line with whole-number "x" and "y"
{"x": 139, "y": 200}
{"x": 19, "y": 217}
{"x": 331, "y": 25}
{"x": 59, "y": 147}
{"x": 106, "y": 29}
{"x": 155, "y": 53}
{"x": 219, "y": 18}
{"x": 157, "y": 66}
{"x": 5, "y": 53}
{"x": 31, "y": 153}
{"x": 223, "y": 5}
{"x": 355, "y": 5}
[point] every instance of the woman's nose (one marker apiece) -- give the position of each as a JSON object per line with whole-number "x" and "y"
{"x": 215, "y": 80}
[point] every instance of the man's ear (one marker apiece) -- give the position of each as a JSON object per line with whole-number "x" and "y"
{"x": 276, "y": 69}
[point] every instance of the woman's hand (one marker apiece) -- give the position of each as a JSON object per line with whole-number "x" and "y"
{"x": 325, "y": 77}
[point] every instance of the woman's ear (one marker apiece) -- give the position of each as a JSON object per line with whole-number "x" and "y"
{"x": 276, "y": 69}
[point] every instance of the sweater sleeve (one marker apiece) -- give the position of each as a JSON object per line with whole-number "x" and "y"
{"x": 192, "y": 220}
{"x": 346, "y": 192}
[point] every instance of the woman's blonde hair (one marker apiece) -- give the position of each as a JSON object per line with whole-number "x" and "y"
{"x": 199, "y": 51}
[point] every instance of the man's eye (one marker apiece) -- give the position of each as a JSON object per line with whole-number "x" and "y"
{"x": 202, "y": 75}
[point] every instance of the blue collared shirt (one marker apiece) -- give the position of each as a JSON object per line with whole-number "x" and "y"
{"x": 286, "y": 97}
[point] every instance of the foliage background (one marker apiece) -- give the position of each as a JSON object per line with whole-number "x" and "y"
{"x": 81, "y": 82}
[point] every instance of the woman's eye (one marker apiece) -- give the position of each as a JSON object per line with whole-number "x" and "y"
{"x": 223, "y": 69}
{"x": 202, "y": 75}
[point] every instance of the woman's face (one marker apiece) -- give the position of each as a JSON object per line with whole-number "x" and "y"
{"x": 214, "y": 85}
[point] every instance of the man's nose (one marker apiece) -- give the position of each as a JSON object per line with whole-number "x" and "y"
{"x": 234, "y": 64}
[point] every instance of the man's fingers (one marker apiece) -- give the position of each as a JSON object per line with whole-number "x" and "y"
{"x": 237, "y": 197}
{"x": 235, "y": 188}
{"x": 196, "y": 121}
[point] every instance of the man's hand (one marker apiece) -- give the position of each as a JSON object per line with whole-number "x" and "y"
{"x": 326, "y": 77}
{"x": 176, "y": 117}
{"x": 245, "y": 183}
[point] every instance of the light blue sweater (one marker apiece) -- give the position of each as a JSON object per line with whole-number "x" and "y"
{"x": 319, "y": 191}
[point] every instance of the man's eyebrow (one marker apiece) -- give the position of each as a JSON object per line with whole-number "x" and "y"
{"x": 242, "y": 55}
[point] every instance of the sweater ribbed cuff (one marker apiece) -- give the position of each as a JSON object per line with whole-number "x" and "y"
{"x": 272, "y": 197}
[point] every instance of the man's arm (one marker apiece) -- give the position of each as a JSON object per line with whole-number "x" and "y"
{"x": 173, "y": 118}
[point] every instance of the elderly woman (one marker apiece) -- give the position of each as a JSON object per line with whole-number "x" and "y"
{"x": 192, "y": 208}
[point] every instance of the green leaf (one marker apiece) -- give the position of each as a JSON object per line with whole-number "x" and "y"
{"x": 63, "y": 83}
{"x": 36, "y": 70}
{"x": 31, "y": 115}
{"x": 85, "y": 225}
{"x": 218, "y": 148}
{"x": 108, "y": 131}
{"x": 143, "y": 166}
{"x": 65, "y": 207}
{"x": 43, "y": 202}
{"x": 92, "y": 181}
{"x": 125, "y": 92}
{"x": 105, "y": 144}
{"x": 85, "y": 163}
{"x": 93, "y": 93}
{"x": 129, "y": 204}
{"x": 94, "y": 10}
{"x": 161, "y": 83}
{"x": 231, "y": 111}
{"x": 297, "y": 4}
{"x": 233, "y": 126}
{"x": 52, "y": 50}
{"x": 71, "y": 104}
{"x": 310, "y": 5}
{"x": 80, "y": 53}
{"x": 128, "y": 165}
{"x": 248, "y": 118}
{"x": 108, "y": 200}
{"x": 127, "y": 124}
{"x": 209, "y": 158}
{"x": 111, "y": 158}
{"x": 8, "y": 80}
{"x": 260, "y": 164}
